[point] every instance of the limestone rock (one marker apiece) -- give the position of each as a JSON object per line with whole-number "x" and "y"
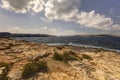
{"x": 15, "y": 75}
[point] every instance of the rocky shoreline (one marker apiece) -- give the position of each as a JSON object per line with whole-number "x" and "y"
{"x": 56, "y": 62}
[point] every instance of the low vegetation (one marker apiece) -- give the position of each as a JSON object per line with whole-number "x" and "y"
{"x": 3, "y": 75}
{"x": 34, "y": 67}
{"x": 57, "y": 56}
{"x": 59, "y": 47}
{"x": 3, "y": 64}
{"x": 65, "y": 57}
{"x": 85, "y": 56}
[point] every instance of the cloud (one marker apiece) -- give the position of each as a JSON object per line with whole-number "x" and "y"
{"x": 58, "y": 32}
{"x": 23, "y": 6}
{"x": 95, "y": 20}
{"x": 44, "y": 19}
{"x": 61, "y": 9}
{"x": 68, "y": 10}
{"x": 42, "y": 30}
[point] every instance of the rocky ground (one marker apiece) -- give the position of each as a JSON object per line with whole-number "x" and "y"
{"x": 22, "y": 60}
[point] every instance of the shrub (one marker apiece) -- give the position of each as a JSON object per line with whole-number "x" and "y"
{"x": 3, "y": 76}
{"x": 33, "y": 67}
{"x": 57, "y": 56}
{"x": 59, "y": 47}
{"x": 72, "y": 53}
{"x": 84, "y": 56}
{"x": 3, "y": 64}
{"x": 68, "y": 56}
{"x": 65, "y": 57}
{"x": 7, "y": 67}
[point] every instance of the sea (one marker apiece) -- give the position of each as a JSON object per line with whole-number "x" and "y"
{"x": 106, "y": 42}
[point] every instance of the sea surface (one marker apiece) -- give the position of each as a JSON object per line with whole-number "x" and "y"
{"x": 106, "y": 42}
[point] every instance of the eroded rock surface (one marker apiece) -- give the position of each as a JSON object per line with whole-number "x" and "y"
{"x": 83, "y": 64}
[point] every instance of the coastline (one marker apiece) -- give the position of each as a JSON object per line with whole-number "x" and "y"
{"x": 62, "y": 62}
{"x": 75, "y": 41}
{"x": 81, "y": 45}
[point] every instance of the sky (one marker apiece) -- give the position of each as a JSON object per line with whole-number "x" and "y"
{"x": 60, "y": 17}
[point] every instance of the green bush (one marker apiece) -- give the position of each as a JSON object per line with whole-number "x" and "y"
{"x": 84, "y": 56}
{"x": 3, "y": 64}
{"x": 34, "y": 67}
{"x": 57, "y": 56}
{"x": 65, "y": 57}
{"x": 72, "y": 53}
{"x": 4, "y": 75}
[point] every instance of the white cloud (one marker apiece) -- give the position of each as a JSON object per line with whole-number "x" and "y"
{"x": 58, "y": 32}
{"x": 23, "y": 6}
{"x": 62, "y": 9}
{"x": 42, "y": 30}
{"x": 94, "y": 20}
{"x": 67, "y": 10}
{"x": 38, "y": 5}
{"x": 44, "y": 19}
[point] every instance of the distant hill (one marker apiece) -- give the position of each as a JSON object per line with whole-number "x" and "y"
{"x": 7, "y": 34}
{"x": 97, "y": 35}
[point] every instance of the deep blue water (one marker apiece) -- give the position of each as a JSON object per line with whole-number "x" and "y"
{"x": 109, "y": 42}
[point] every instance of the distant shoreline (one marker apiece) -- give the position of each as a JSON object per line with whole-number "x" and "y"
{"x": 76, "y": 45}
{"x": 70, "y": 45}
{"x": 84, "y": 46}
